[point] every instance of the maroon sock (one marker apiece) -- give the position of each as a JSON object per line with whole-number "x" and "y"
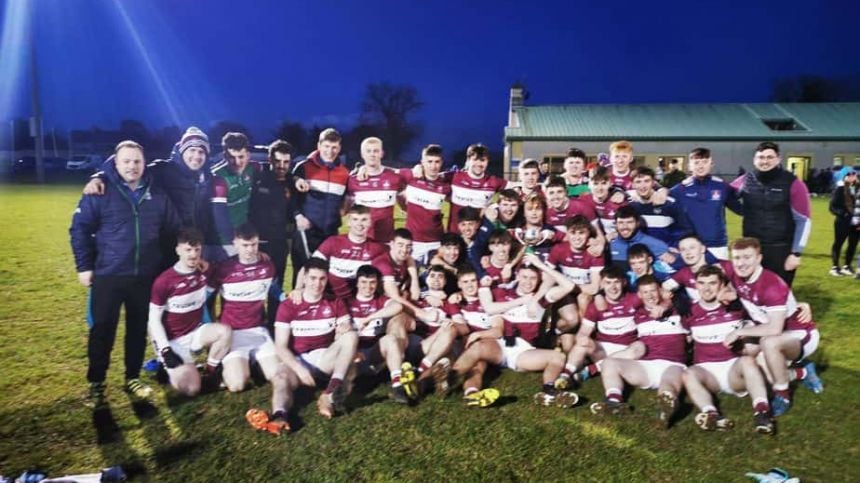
{"x": 593, "y": 370}
{"x": 799, "y": 373}
{"x": 762, "y": 407}
{"x": 782, "y": 393}
{"x": 333, "y": 384}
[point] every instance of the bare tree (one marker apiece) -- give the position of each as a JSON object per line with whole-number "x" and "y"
{"x": 811, "y": 88}
{"x": 390, "y": 107}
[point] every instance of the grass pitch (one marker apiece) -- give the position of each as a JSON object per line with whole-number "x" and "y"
{"x": 43, "y": 423}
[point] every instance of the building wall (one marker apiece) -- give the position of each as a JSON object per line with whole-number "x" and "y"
{"x": 728, "y": 155}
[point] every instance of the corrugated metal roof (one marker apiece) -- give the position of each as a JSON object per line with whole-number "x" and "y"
{"x": 830, "y": 121}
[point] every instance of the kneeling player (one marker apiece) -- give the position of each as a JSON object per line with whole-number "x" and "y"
{"x": 663, "y": 364}
{"x": 370, "y": 311}
{"x": 175, "y": 311}
{"x": 315, "y": 340}
{"x": 522, "y": 312}
{"x": 718, "y": 368}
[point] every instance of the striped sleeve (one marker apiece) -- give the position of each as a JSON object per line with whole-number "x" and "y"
{"x": 800, "y": 211}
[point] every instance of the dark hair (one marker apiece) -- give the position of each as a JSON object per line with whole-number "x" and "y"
{"x": 436, "y": 268}
{"x": 708, "y": 270}
{"x": 368, "y": 271}
{"x": 647, "y": 279}
{"x": 627, "y": 212}
{"x": 358, "y": 210}
{"x": 701, "y": 153}
{"x": 331, "y": 135}
{"x": 280, "y": 146}
{"x": 465, "y": 270}
{"x": 579, "y": 222}
{"x": 556, "y": 182}
{"x": 615, "y": 273}
{"x": 576, "y": 153}
{"x": 644, "y": 171}
{"x": 234, "y": 140}
{"x": 468, "y": 213}
{"x": 451, "y": 239}
{"x": 500, "y": 236}
{"x": 509, "y": 194}
{"x": 246, "y": 231}
{"x": 639, "y": 250}
{"x": 767, "y": 145}
{"x": 189, "y": 235}
{"x": 432, "y": 150}
{"x": 600, "y": 174}
{"x": 316, "y": 263}
{"x": 477, "y": 151}
{"x": 529, "y": 164}
{"x": 690, "y": 235}
{"x": 402, "y": 233}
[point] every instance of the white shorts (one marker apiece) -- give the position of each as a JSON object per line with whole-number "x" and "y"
{"x": 184, "y": 345}
{"x": 611, "y": 347}
{"x": 421, "y": 249}
{"x": 720, "y": 371}
{"x": 812, "y": 338}
{"x": 251, "y": 344}
{"x": 720, "y": 253}
{"x": 313, "y": 357}
{"x": 654, "y": 370}
{"x": 511, "y": 354}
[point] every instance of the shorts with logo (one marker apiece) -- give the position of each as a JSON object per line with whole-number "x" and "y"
{"x": 251, "y": 344}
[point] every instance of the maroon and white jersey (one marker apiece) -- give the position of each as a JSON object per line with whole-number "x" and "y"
{"x": 615, "y": 324}
{"x": 344, "y": 258}
{"x": 182, "y": 295}
{"x": 359, "y": 308}
{"x": 538, "y": 190}
{"x": 518, "y": 318}
{"x": 243, "y": 290}
{"x": 687, "y": 279}
{"x": 466, "y": 190}
{"x": 446, "y": 311}
{"x": 767, "y": 292}
{"x": 379, "y": 193}
{"x": 543, "y": 248}
{"x": 474, "y": 315}
{"x": 665, "y": 339}
{"x": 424, "y": 200}
{"x": 605, "y": 211}
{"x": 577, "y": 266}
{"x": 495, "y": 273}
{"x": 576, "y": 206}
{"x": 312, "y": 324}
{"x": 709, "y": 328}
{"x": 623, "y": 181}
{"x": 391, "y": 271}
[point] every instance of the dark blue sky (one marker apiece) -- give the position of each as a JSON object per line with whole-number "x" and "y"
{"x": 261, "y": 62}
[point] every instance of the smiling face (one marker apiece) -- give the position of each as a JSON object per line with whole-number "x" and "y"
{"x": 556, "y": 197}
{"x": 649, "y": 294}
{"x": 599, "y": 189}
{"x": 578, "y": 238}
{"x": 621, "y": 160}
{"x": 194, "y": 157}
{"x": 449, "y": 253}
{"x": 529, "y": 177}
{"x": 478, "y": 165}
{"x": 766, "y": 160}
{"x": 329, "y": 150}
{"x": 640, "y": 265}
{"x": 358, "y": 223}
{"x": 129, "y": 164}
{"x": 189, "y": 255}
{"x": 709, "y": 287}
{"x": 701, "y": 167}
{"x": 315, "y": 280}
{"x": 612, "y": 287}
{"x": 692, "y": 251}
{"x": 527, "y": 280}
{"x": 365, "y": 287}
{"x": 574, "y": 166}
{"x": 468, "y": 284}
{"x": 281, "y": 165}
{"x": 508, "y": 209}
{"x": 745, "y": 261}
{"x": 436, "y": 280}
{"x": 401, "y": 249}
{"x": 372, "y": 155}
{"x": 625, "y": 227}
{"x": 644, "y": 186}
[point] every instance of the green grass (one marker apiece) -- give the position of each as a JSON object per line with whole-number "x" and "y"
{"x": 44, "y": 424}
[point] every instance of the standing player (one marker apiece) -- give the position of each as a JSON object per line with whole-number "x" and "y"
{"x": 599, "y": 200}
{"x": 665, "y": 221}
{"x": 663, "y": 364}
{"x": 718, "y": 365}
{"x": 175, "y": 311}
{"x": 529, "y": 173}
{"x": 375, "y": 188}
{"x": 561, "y": 208}
{"x": 473, "y": 186}
{"x": 346, "y": 253}
{"x": 575, "y": 176}
{"x": 424, "y": 199}
{"x": 695, "y": 255}
{"x": 783, "y": 337}
{"x": 243, "y": 282}
{"x": 314, "y": 338}
{"x": 232, "y": 182}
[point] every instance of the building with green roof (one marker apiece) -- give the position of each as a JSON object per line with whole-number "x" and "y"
{"x": 810, "y": 135}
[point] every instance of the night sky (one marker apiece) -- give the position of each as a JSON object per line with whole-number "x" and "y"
{"x": 169, "y": 61}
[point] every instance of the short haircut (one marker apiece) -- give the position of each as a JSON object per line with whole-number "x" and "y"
{"x": 638, "y": 250}
{"x": 647, "y": 279}
{"x": 468, "y": 213}
{"x": 746, "y": 242}
{"x": 579, "y": 222}
{"x": 621, "y": 146}
{"x": 556, "y": 182}
{"x": 432, "y": 150}
{"x": 529, "y": 164}
{"x": 535, "y": 200}
{"x": 529, "y": 267}
{"x": 466, "y": 270}
{"x": 189, "y": 235}
{"x": 644, "y": 171}
{"x": 402, "y": 233}
{"x": 478, "y": 151}
{"x": 692, "y": 235}
{"x": 280, "y": 146}
{"x": 700, "y": 153}
{"x": 358, "y": 210}
{"x": 371, "y": 140}
{"x": 615, "y": 273}
{"x": 500, "y": 236}
{"x": 368, "y": 271}
{"x": 708, "y": 270}
{"x": 316, "y": 263}
{"x": 246, "y": 231}
{"x": 509, "y": 194}
{"x": 576, "y": 153}
{"x": 767, "y": 145}
{"x": 128, "y": 143}
{"x": 451, "y": 239}
{"x": 331, "y": 135}
{"x": 627, "y": 211}
{"x": 600, "y": 174}
{"x": 235, "y": 140}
